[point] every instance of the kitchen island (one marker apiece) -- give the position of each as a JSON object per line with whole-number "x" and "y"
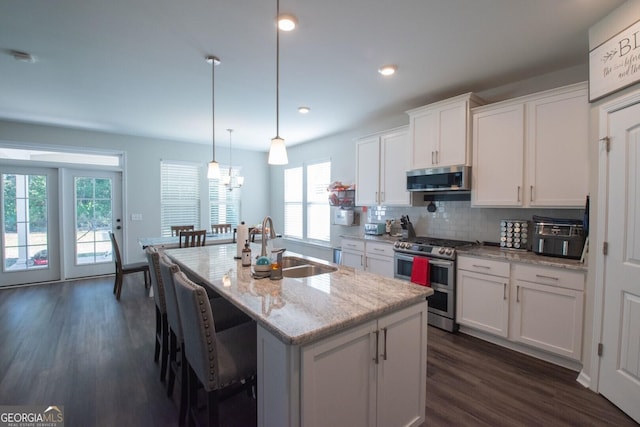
{"x": 341, "y": 348}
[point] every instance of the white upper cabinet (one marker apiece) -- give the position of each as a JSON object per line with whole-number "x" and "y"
{"x": 439, "y": 133}
{"x": 532, "y": 151}
{"x": 382, "y": 161}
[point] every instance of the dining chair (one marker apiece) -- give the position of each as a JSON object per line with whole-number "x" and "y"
{"x": 226, "y": 316}
{"x": 192, "y": 238}
{"x": 123, "y": 269}
{"x": 176, "y": 229}
{"x": 216, "y": 360}
{"x": 162, "y": 325}
{"x": 220, "y": 228}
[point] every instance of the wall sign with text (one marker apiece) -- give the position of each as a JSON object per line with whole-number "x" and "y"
{"x": 615, "y": 64}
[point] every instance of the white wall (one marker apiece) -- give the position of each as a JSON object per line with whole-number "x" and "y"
{"x": 142, "y": 172}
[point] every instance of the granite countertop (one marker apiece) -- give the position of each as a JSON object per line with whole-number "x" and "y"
{"x": 384, "y": 238}
{"x": 298, "y": 310}
{"x": 521, "y": 256}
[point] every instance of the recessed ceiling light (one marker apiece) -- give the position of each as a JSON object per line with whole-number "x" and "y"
{"x": 304, "y": 110}
{"x": 22, "y": 56}
{"x": 287, "y": 22}
{"x": 388, "y": 70}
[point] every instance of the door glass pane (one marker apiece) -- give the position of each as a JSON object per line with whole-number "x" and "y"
{"x": 24, "y": 201}
{"x": 93, "y": 220}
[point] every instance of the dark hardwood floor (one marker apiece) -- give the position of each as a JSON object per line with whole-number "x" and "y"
{"x": 73, "y": 344}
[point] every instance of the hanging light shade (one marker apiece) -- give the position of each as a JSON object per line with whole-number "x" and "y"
{"x": 232, "y": 179}
{"x": 278, "y": 151}
{"x": 213, "y": 170}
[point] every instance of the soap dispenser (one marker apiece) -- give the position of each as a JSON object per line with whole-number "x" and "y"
{"x": 246, "y": 255}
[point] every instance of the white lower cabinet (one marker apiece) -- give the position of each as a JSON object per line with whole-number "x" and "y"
{"x": 353, "y": 253}
{"x": 547, "y": 309}
{"x": 371, "y": 375}
{"x": 483, "y": 295}
{"x": 379, "y": 258}
{"x": 375, "y": 257}
{"x": 535, "y": 305}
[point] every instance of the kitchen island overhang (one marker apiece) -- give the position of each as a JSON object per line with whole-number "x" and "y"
{"x": 296, "y": 315}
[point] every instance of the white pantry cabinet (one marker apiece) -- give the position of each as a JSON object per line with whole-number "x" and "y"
{"x": 548, "y": 309}
{"x": 373, "y": 374}
{"x": 440, "y": 132}
{"x": 532, "y": 151}
{"x": 382, "y": 161}
{"x": 482, "y": 296}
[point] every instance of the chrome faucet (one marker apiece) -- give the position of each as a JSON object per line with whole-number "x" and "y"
{"x": 272, "y": 234}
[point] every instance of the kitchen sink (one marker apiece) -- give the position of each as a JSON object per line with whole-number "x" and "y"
{"x": 300, "y": 267}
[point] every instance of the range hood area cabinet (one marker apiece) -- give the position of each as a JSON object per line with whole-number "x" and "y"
{"x": 532, "y": 151}
{"x": 382, "y": 161}
{"x": 440, "y": 133}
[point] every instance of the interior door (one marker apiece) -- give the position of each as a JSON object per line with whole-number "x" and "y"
{"x": 92, "y": 207}
{"x": 30, "y": 239}
{"x": 619, "y": 377}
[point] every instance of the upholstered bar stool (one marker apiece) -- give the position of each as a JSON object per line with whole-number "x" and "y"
{"x": 216, "y": 360}
{"x": 227, "y": 315}
{"x": 162, "y": 325}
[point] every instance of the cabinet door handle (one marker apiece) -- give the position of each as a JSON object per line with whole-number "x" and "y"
{"x": 437, "y": 157}
{"x": 504, "y": 291}
{"x": 518, "y": 293}
{"x": 378, "y": 249}
{"x": 381, "y": 196}
{"x": 384, "y": 354}
{"x": 481, "y": 266}
{"x": 531, "y": 194}
{"x": 362, "y": 261}
{"x": 432, "y": 161}
{"x": 542, "y": 276}
{"x": 376, "y": 359}
{"x": 518, "y": 193}
{"x": 377, "y": 197}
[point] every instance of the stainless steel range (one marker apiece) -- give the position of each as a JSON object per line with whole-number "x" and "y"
{"x": 441, "y": 254}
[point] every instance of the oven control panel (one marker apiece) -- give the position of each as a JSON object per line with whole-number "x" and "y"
{"x": 410, "y": 247}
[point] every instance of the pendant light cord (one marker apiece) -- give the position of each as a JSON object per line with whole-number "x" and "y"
{"x": 213, "y": 108}
{"x": 277, "y": 70}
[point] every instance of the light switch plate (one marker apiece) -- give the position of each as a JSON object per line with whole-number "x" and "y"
{"x": 136, "y": 217}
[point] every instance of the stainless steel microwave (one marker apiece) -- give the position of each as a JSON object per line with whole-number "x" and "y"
{"x": 453, "y": 178}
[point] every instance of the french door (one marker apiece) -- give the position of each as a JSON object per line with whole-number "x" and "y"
{"x": 30, "y": 239}
{"x": 92, "y": 207}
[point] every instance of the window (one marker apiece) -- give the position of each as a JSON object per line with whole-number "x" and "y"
{"x": 224, "y": 203}
{"x": 180, "y": 195}
{"x": 306, "y": 209}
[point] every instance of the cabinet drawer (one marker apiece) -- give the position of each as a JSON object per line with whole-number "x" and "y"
{"x": 353, "y": 245}
{"x": 381, "y": 249}
{"x": 482, "y": 265}
{"x": 549, "y": 276}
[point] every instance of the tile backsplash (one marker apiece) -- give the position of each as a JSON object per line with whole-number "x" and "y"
{"x": 458, "y": 220}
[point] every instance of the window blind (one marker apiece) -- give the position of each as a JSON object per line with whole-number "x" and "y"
{"x": 293, "y": 198}
{"x": 224, "y": 204}
{"x": 180, "y": 195}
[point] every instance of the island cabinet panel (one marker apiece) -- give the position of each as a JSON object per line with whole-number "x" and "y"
{"x": 371, "y": 375}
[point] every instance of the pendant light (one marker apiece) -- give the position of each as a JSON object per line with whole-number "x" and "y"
{"x": 213, "y": 171}
{"x": 278, "y": 151}
{"x": 232, "y": 180}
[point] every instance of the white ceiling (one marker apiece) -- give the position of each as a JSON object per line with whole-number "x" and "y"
{"x": 137, "y": 66}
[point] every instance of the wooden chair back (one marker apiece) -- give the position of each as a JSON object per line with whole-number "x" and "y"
{"x": 116, "y": 252}
{"x": 122, "y": 269}
{"x": 192, "y": 238}
{"x": 220, "y": 228}
{"x": 176, "y": 229}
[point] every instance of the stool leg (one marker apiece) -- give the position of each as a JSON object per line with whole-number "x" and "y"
{"x": 165, "y": 347}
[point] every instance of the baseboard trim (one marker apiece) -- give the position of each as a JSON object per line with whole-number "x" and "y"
{"x": 584, "y": 379}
